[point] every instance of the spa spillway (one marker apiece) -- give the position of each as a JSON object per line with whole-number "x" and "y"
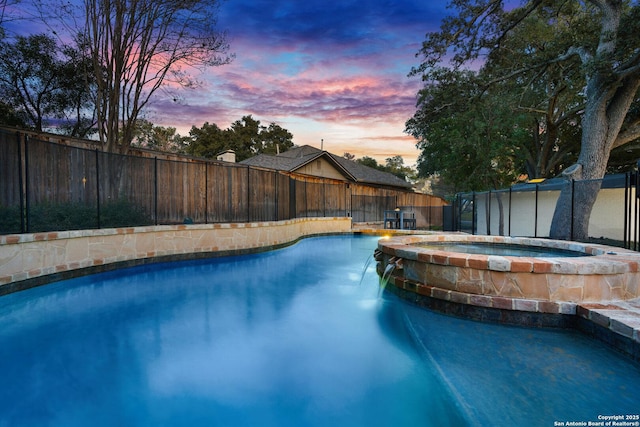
{"x": 510, "y": 273}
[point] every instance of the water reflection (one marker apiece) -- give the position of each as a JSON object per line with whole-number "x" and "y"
{"x": 288, "y": 337}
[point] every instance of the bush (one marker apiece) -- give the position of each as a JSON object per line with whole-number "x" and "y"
{"x": 10, "y": 219}
{"x": 73, "y": 216}
{"x": 121, "y": 213}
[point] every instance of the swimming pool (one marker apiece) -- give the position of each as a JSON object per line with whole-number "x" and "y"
{"x": 286, "y": 338}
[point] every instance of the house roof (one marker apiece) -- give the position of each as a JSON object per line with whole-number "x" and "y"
{"x": 295, "y": 158}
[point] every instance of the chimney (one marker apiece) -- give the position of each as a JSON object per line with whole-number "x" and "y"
{"x": 227, "y": 156}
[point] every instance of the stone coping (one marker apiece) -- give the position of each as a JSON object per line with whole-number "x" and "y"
{"x": 603, "y": 259}
{"x": 608, "y": 273}
{"x": 37, "y": 258}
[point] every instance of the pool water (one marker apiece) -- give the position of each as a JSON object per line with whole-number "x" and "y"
{"x": 285, "y": 338}
{"x": 293, "y": 337}
{"x": 501, "y": 249}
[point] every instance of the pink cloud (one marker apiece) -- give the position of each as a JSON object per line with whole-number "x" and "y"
{"x": 349, "y": 86}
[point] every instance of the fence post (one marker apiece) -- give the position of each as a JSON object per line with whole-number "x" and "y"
{"x": 206, "y": 193}
{"x": 248, "y": 194}
{"x": 275, "y": 177}
{"x": 510, "y": 194}
{"x": 473, "y": 213}
{"x": 230, "y": 216}
{"x": 535, "y": 215}
{"x": 627, "y": 213}
{"x": 21, "y": 183}
{"x": 458, "y": 209}
{"x": 347, "y": 208}
{"x": 26, "y": 183}
{"x": 635, "y": 217}
{"x": 573, "y": 195}
{"x": 98, "y": 189}
{"x": 292, "y": 198}
{"x": 155, "y": 188}
{"x": 489, "y": 214}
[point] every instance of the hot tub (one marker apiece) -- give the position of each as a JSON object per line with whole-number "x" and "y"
{"x": 562, "y": 274}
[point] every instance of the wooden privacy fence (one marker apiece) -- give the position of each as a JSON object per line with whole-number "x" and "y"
{"x": 48, "y": 186}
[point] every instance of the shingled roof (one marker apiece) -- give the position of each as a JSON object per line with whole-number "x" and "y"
{"x": 298, "y": 157}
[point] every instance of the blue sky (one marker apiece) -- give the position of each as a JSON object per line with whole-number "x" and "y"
{"x": 325, "y": 70}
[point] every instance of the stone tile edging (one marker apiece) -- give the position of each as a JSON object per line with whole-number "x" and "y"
{"x": 32, "y": 256}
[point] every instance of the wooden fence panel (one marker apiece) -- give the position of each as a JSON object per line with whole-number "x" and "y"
{"x": 262, "y": 195}
{"x": 240, "y": 194}
{"x": 371, "y": 208}
{"x": 300, "y": 199}
{"x": 118, "y": 190}
{"x": 315, "y": 199}
{"x": 228, "y": 198}
{"x": 9, "y": 169}
{"x": 61, "y": 187}
{"x": 284, "y": 196}
{"x": 219, "y": 194}
{"x": 181, "y": 192}
{"x": 128, "y": 183}
{"x": 335, "y": 200}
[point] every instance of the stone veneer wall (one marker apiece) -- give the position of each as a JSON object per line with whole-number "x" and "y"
{"x": 609, "y": 274}
{"x": 37, "y": 258}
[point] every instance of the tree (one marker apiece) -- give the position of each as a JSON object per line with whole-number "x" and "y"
{"x": 274, "y": 139}
{"x": 369, "y": 162}
{"x": 136, "y": 46}
{"x": 160, "y": 138}
{"x": 246, "y": 137}
{"x": 77, "y": 94}
{"x": 10, "y": 117}
{"x": 42, "y": 82}
{"x": 472, "y": 145}
{"x": 601, "y": 35}
{"x": 207, "y": 141}
{"x": 243, "y": 137}
{"x": 4, "y": 17}
{"x": 394, "y": 165}
{"x": 538, "y": 111}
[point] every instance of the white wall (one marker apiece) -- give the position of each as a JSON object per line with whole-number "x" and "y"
{"x": 607, "y": 217}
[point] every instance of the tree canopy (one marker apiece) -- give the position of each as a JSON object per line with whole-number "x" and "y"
{"x": 136, "y": 46}
{"x": 102, "y": 62}
{"x": 565, "y": 71}
{"x": 43, "y": 84}
{"x": 246, "y": 137}
{"x": 393, "y": 165}
{"x": 153, "y": 137}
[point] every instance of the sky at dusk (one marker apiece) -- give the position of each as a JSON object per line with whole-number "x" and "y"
{"x": 325, "y": 70}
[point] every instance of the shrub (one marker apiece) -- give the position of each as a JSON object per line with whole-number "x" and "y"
{"x": 50, "y": 216}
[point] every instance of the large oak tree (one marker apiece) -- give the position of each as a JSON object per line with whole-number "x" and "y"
{"x": 601, "y": 36}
